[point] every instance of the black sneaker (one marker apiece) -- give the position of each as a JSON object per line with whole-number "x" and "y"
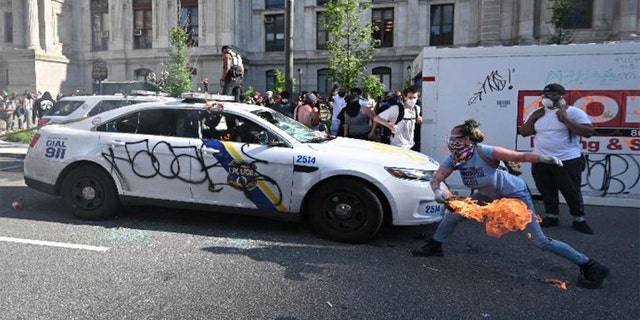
{"x": 582, "y": 226}
{"x": 432, "y": 248}
{"x": 592, "y": 274}
{"x": 549, "y": 222}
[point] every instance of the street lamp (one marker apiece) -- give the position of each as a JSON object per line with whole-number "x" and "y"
{"x": 299, "y": 80}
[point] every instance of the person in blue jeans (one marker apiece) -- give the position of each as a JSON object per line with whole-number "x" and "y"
{"x": 491, "y": 184}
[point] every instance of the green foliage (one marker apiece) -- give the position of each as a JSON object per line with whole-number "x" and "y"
{"x": 560, "y": 12}
{"x": 249, "y": 92}
{"x": 350, "y": 42}
{"x": 372, "y": 87}
{"x": 23, "y": 136}
{"x": 280, "y": 84}
{"x": 178, "y": 78}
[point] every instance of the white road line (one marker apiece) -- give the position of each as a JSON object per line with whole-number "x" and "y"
{"x": 54, "y": 244}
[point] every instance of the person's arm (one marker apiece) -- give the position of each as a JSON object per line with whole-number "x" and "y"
{"x": 582, "y": 129}
{"x": 440, "y": 176}
{"x": 503, "y": 154}
{"x": 527, "y": 128}
{"x": 226, "y": 67}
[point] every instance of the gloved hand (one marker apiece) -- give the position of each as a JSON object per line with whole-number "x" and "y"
{"x": 551, "y": 160}
{"x": 441, "y": 197}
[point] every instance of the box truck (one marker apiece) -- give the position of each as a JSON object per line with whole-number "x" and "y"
{"x": 501, "y": 86}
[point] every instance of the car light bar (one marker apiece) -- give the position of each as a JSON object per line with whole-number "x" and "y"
{"x": 207, "y": 96}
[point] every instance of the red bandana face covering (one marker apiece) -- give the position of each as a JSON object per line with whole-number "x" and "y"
{"x": 460, "y": 151}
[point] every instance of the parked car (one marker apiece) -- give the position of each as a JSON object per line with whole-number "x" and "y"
{"x": 75, "y": 107}
{"x": 231, "y": 157}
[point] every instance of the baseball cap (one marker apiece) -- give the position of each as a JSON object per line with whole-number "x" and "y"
{"x": 553, "y": 88}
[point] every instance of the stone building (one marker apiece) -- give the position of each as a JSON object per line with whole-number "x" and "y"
{"x": 53, "y": 44}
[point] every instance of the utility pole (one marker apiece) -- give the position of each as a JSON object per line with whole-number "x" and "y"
{"x": 288, "y": 45}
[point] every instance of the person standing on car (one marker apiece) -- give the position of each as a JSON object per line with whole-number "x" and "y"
{"x": 232, "y": 73}
{"x": 491, "y": 184}
{"x": 557, "y": 129}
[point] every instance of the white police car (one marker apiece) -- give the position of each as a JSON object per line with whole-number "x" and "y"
{"x": 74, "y": 107}
{"x": 231, "y": 157}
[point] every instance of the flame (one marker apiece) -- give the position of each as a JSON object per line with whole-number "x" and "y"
{"x": 559, "y": 283}
{"x": 500, "y": 216}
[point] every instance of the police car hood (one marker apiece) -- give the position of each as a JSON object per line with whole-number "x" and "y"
{"x": 346, "y": 149}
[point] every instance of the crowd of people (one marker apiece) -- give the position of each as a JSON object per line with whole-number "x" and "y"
{"x": 22, "y": 111}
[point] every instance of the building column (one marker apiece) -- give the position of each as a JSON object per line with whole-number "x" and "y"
{"x": 32, "y": 34}
{"x": 628, "y": 20}
{"x": 526, "y": 13}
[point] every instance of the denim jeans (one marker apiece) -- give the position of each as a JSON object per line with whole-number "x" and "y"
{"x": 451, "y": 220}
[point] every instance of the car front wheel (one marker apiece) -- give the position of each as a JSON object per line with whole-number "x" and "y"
{"x": 345, "y": 211}
{"x": 89, "y": 193}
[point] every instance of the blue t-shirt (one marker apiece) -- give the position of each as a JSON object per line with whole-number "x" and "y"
{"x": 490, "y": 182}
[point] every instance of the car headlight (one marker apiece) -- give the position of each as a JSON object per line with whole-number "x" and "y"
{"x": 411, "y": 174}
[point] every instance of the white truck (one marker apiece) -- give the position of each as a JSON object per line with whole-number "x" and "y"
{"x": 501, "y": 86}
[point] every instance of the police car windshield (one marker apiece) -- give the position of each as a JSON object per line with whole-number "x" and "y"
{"x": 294, "y": 128}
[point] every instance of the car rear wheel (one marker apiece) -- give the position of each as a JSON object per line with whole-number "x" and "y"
{"x": 90, "y": 193}
{"x": 345, "y": 211}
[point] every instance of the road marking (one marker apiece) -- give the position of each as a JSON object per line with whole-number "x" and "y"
{"x": 54, "y": 244}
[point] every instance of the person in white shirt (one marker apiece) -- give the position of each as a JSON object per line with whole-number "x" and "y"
{"x": 338, "y": 104}
{"x": 557, "y": 128}
{"x": 402, "y": 123}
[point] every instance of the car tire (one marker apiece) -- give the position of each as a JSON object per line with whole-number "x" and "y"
{"x": 345, "y": 210}
{"x": 89, "y": 192}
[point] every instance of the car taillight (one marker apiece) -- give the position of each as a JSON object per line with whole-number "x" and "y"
{"x": 34, "y": 140}
{"x": 42, "y": 121}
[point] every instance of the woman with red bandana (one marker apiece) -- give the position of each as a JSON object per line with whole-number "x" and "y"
{"x": 492, "y": 183}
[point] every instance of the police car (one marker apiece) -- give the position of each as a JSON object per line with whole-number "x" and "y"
{"x": 230, "y": 157}
{"x": 74, "y": 107}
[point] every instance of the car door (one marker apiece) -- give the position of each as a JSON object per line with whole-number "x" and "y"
{"x": 144, "y": 152}
{"x": 240, "y": 169}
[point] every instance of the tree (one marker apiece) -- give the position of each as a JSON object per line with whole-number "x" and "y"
{"x": 561, "y": 11}
{"x": 280, "y": 84}
{"x": 178, "y": 75}
{"x": 372, "y": 86}
{"x": 350, "y": 42}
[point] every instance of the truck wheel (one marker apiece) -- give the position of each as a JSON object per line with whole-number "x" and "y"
{"x": 345, "y": 211}
{"x": 90, "y": 193}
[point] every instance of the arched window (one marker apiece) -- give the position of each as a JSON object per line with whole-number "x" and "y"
{"x": 323, "y": 81}
{"x": 384, "y": 75}
{"x": 271, "y": 80}
{"x": 142, "y": 73}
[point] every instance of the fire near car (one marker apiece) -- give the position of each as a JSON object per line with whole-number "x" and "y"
{"x": 231, "y": 157}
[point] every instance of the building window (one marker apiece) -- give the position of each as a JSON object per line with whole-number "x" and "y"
{"x": 142, "y": 24}
{"x": 274, "y": 4}
{"x": 322, "y": 35}
{"x": 383, "y": 20}
{"x": 189, "y": 21}
{"x": 581, "y": 15}
{"x": 8, "y": 27}
{"x": 384, "y": 75}
{"x": 321, "y": 2}
{"x": 441, "y": 25}
{"x": 274, "y": 32}
{"x": 141, "y": 74}
{"x": 271, "y": 80}
{"x": 99, "y": 25}
{"x": 323, "y": 82}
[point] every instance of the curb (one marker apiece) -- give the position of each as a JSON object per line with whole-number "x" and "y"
{"x": 12, "y": 155}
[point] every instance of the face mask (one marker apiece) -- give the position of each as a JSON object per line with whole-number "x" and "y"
{"x": 562, "y": 102}
{"x": 460, "y": 150}
{"x": 547, "y": 103}
{"x": 411, "y": 102}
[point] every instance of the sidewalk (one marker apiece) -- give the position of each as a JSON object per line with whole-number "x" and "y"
{"x": 13, "y": 149}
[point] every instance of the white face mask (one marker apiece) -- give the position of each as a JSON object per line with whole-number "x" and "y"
{"x": 562, "y": 102}
{"x": 411, "y": 102}
{"x": 547, "y": 103}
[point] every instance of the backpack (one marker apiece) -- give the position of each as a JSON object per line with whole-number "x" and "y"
{"x": 236, "y": 65}
{"x": 513, "y": 167}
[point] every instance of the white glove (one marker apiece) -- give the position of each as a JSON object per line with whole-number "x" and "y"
{"x": 551, "y": 160}
{"x": 440, "y": 196}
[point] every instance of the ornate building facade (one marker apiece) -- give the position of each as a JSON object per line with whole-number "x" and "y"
{"x": 53, "y": 44}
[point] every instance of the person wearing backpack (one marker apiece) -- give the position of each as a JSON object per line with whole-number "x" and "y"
{"x": 232, "y": 76}
{"x": 403, "y": 117}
